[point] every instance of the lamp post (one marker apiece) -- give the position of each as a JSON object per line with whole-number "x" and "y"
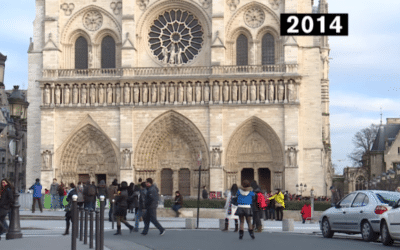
{"x": 198, "y": 194}
{"x": 301, "y": 188}
{"x": 18, "y": 107}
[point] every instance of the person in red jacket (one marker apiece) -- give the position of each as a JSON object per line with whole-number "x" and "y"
{"x": 306, "y": 211}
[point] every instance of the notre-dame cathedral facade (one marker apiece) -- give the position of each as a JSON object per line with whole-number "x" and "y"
{"x": 132, "y": 89}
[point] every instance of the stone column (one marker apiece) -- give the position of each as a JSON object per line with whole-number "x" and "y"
{"x": 276, "y": 94}
{"x": 285, "y": 97}
{"x": 211, "y": 90}
{"x": 175, "y": 180}
{"x": 257, "y": 83}
{"x": 140, "y": 94}
{"x": 131, "y": 93}
{"x": 42, "y": 95}
{"x": 52, "y": 102}
{"x": 158, "y": 93}
{"x": 256, "y": 177}
{"x": 176, "y": 94}
{"x": 221, "y": 100}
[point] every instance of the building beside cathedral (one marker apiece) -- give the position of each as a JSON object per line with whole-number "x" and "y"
{"x": 137, "y": 89}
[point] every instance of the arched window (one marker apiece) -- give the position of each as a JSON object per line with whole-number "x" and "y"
{"x": 81, "y": 53}
{"x": 108, "y": 52}
{"x": 268, "y": 49}
{"x": 360, "y": 183}
{"x": 242, "y": 50}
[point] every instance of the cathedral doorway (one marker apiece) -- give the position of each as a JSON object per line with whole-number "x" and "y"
{"x": 166, "y": 182}
{"x": 101, "y": 177}
{"x": 84, "y": 178}
{"x": 247, "y": 174}
{"x": 264, "y": 179}
{"x": 184, "y": 182}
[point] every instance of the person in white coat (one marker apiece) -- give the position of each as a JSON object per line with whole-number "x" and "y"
{"x": 230, "y": 209}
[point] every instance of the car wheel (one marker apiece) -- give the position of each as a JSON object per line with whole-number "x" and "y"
{"x": 326, "y": 229}
{"x": 367, "y": 233}
{"x": 386, "y": 238}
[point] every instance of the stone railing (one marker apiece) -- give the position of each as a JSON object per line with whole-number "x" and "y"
{"x": 171, "y": 71}
{"x": 257, "y": 91}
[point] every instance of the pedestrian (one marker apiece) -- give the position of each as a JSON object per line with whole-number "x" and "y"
{"x": 135, "y": 202}
{"x": 231, "y": 207}
{"x": 256, "y": 208}
{"x": 271, "y": 207}
{"x": 54, "y": 194}
{"x": 178, "y": 203}
{"x": 286, "y": 195}
{"x": 151, "y": 203}
{"x": 79, "y": 193}
{"x": 68, "y": 207}
{"x": 112, "y": 191}
{"x": 60, "y": 192}
{"x": 89, "y": 194}
{"x": 121, "y": 206}
{"x": 6, "y": 199}
{"x": 205, "y": 193}
{"x": 102, "y": 190}
{"x": 279, "y": 204}
{"x": 334, "y": 197}
{"x": 266, "y": 196}
{"x": 306, "y": 212}
{"x": 245, "y": 200}
{"x": 141, "y": 206}
{"x": 130, "y": 197}
{"x": 37, "y": 195}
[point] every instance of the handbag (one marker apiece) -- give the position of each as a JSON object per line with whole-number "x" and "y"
{"x": 277, "y": 204}
{"x": 234, "y": 200}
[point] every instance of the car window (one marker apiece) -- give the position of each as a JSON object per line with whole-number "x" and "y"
{"x": 346, "y": 202}
{"x": 388, "y": 198}
{"x": 358, "y": 201}
{"x": 366, "y": 201}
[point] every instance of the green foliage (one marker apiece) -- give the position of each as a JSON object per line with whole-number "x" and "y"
{"x": 47, "y": 201}
{"x": 192, "y": 203}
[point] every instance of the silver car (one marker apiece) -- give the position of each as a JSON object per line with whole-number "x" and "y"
{"x": 358, "y": 212}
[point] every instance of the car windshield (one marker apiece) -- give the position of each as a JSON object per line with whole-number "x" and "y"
{"x": 388, "y": 198}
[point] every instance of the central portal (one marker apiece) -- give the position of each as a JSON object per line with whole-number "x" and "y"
{"x": 247, "y": 174}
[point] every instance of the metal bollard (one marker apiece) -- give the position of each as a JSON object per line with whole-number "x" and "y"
{"x": 86, "y": 227}
{"x": 102, "y": 207}
{"x": 91, "y": 230}
{"x": 81, "y": 224}
{"x": 97, "y": 230}
{"x": 74, "y": 221}
{"x": 112, "y": 214}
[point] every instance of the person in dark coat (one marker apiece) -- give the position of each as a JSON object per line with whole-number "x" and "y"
{"x": 135, "y": 198}
{"x": 256, "y": 210}
{"x": 130, "y": 197}
{"x": 37, "y": 195}
{"x": 112, "y": 191}
{"x": 6, "y": 200}
{"x": 102, "y": 190}
{"x": 151, "y": 204}
{"x": 121, "y": 206}
{"x": 68, "y": 207}
{"x": 61, "y": 190}
{"x": 178, "y": 203}
{"x": 141, "y": 205}
{"x": 245, "y": 197}
{"x": 204, "y": 193}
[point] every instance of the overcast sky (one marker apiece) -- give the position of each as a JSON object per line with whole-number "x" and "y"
{"x": 363, "y": 74}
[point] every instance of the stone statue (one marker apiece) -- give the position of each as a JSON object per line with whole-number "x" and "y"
{"x": 180, "y": 93}
{"x": 292, "y": 93}
{"x": 244, "y": 92}
{"x": 226, "y": 93}
{"x": 92, "y": 94}
{"x": 216, "y": 157}
{"x": 171, "y": 93}
{"x": 165, "y": 54}
{"x": 179, "y": 56}
{"x": 46, "y": 160}
{"x": 109, "y": 94}
{"x": 90, "y": 61}
{"x": 83, "y": 98}
{"x": 162, "y": 94}
{"x": 47, "y": 95}
{"x": 198, "y": 93}
{"x": 145, "y": 94}
{"x": 189, "y": 93}
{"x": 173, "y": 54}
{"x": 292, "y": 157}
{"x": 154, "y": 94}
{"x": 281, "y": 91}
{"x": 127, "y": 92}
{"x": 325, "y": 60}
{"x": 58, "y": 95}
{"x": 101, "y": 95}
{"x": 216, "y": 92}
{"x": 117, "y": 94}
{"x": 66, "y": 94}
{"x": 75, "y": 95}
{"x": 126, "y": 160}
{"x": 252, "y": 93}
{"x": 262, "y": 92}
{"x": 136, "y": 94}
{"x": 206, "y": 93}
{"x": 271, "y": 92}
{"x": 234, "y": 93}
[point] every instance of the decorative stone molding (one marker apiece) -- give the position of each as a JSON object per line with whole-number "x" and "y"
{"x": 233, "y": 4}
{"x": 217, "y": 42}
{"x": 254, "y": 17}
{"x": 126, "y": 159}
{"x": 275, "y": 4}
{"x": 278, "y": 180}
{"x": 50, "y": 45}
{"x": 205, "y": 3}
{"x": 67, "y": 8}
{"x": 116, "y": 7}
{"x": 142, "y": 4}
{"x": 93, "y": 20}
{"x": 291, "y": 157}
{"x": 216, "y": 157}
{"x": 128, "y": 44}
{"x": 47, "y": 160}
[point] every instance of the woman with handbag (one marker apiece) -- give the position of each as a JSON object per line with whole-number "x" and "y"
{"x": 231, "y": 207}
{"x": 245, "y": 199}
{"x": 6, "y": 200}
{"x": 279, "y": 204}
{"x": 121, "y": 204}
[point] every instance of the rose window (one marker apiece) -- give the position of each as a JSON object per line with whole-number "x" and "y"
{"x": 254, "y": 17}
{"x": 92, "y": 20}
{"x": 176, "y": 37}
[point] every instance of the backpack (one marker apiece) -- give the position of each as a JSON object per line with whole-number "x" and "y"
{"x": 91, "y": 190}
{"x": 261, "y": 201}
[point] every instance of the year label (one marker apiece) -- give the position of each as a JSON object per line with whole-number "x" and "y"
{"x": 314, "y": 24}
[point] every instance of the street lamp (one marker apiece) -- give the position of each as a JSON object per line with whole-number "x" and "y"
{"x": 3, "y": 59}
{"x": 18, "y": 114}
{"x": 300, "y": 188}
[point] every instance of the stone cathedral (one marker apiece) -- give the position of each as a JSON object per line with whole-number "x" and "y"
{"x": 174, "y": 89}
